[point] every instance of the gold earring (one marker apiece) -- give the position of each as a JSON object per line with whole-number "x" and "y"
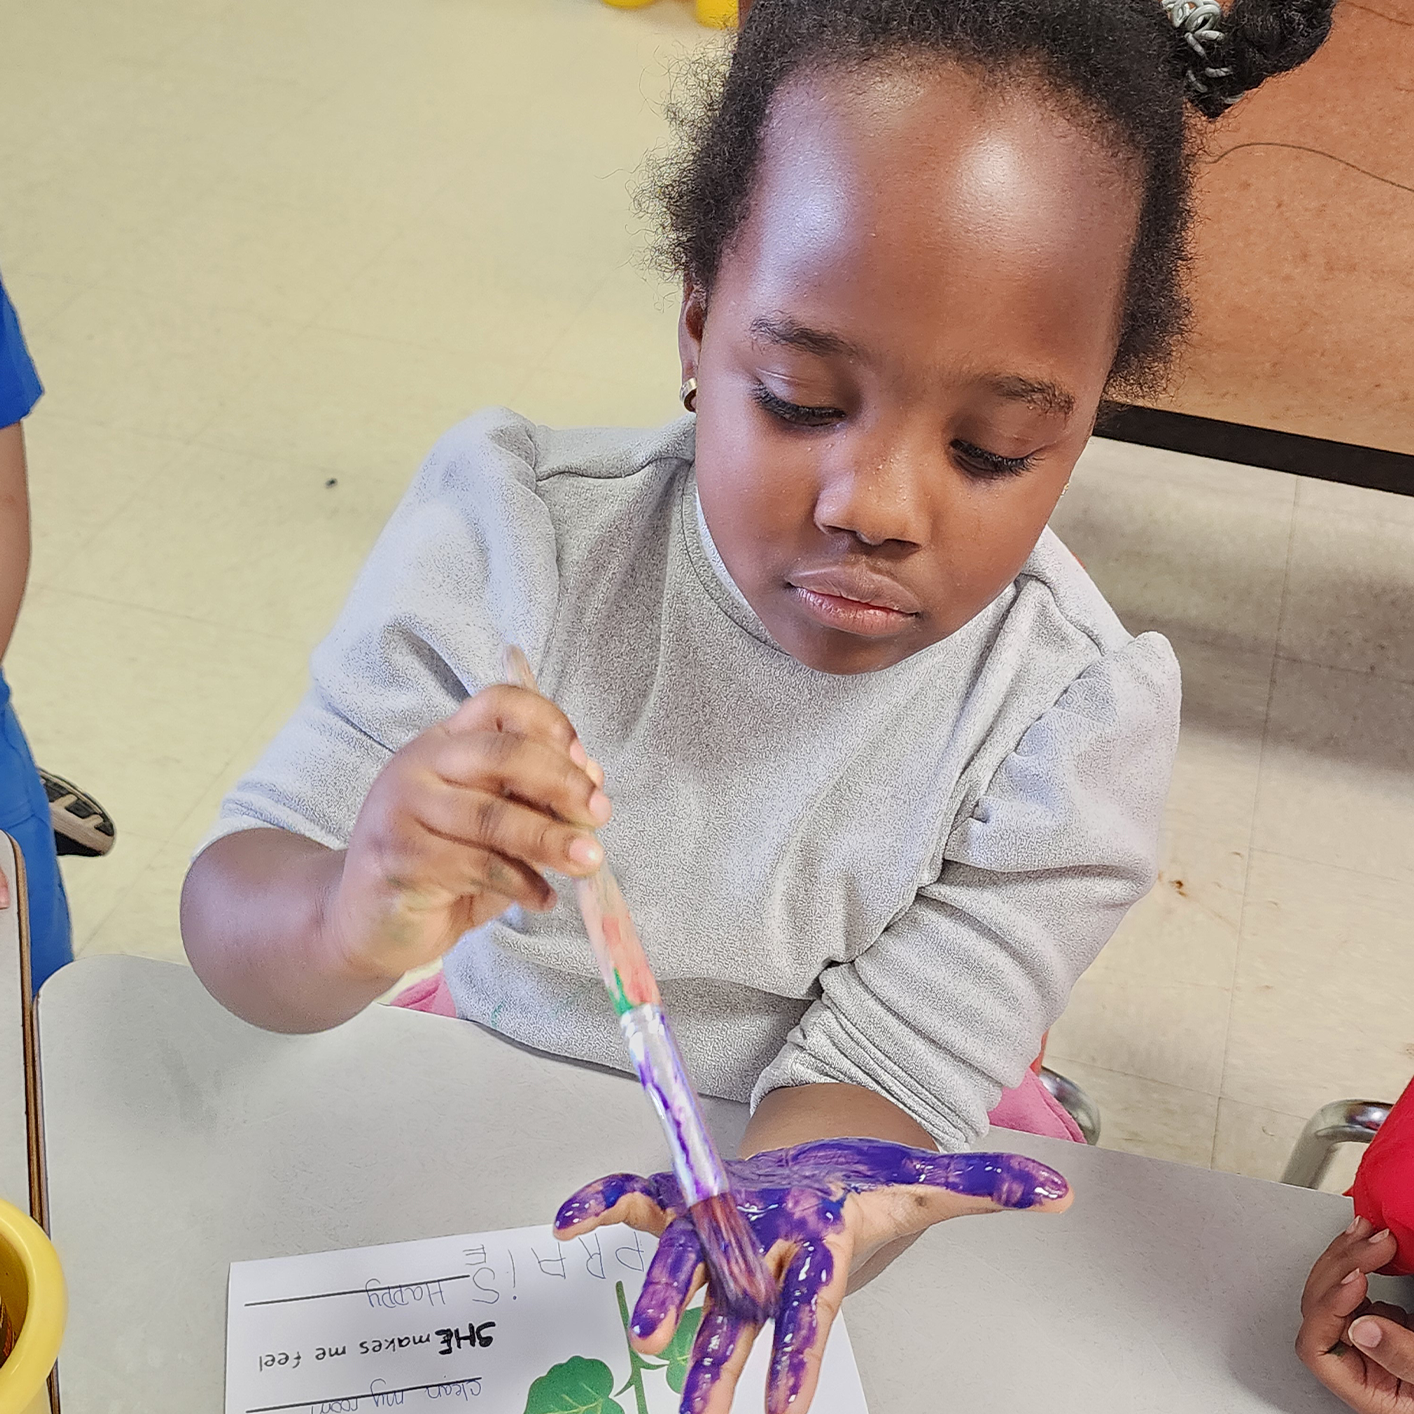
{"x": 688, "y": 394}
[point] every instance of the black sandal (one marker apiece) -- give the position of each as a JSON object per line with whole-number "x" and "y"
{"x": 81, "y": 825}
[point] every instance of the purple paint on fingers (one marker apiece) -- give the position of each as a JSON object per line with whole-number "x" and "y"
{"x": 668, "y": 1285}
{"x": 794, "y": 1201}
{"x": 597, "y": 1198}
{"x": 797, "y": 1324}
{"x": 716, "y": 1343}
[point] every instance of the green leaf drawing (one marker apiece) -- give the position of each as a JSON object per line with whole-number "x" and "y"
{"x": 578, "y": 1386}
{"x": 678, "y": 1355}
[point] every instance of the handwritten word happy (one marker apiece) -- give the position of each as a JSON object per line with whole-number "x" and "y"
{"x": 403, "y": 1294}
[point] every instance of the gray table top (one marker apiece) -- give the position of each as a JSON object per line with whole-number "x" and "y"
{"x": 180, "y": 1139}
{"x": 14, "y": 1139}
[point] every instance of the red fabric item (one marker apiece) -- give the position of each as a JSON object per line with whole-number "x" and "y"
{"x": 1030, "y": 1108}
{"x": 1384, "y": 1183}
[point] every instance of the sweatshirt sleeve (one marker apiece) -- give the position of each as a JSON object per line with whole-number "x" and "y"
{"x": 466, "y": 562}
{"x": 948, "y": 1007}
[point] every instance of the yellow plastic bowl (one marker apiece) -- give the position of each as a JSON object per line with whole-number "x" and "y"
{"x": 720, "y": 14}
{"x": 36, "y": 1303}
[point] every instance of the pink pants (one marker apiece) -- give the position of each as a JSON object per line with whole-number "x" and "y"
{"x": 1030, "y": 1107}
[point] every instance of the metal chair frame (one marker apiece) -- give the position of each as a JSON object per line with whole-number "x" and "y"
{"x": 1340, "y": 1122}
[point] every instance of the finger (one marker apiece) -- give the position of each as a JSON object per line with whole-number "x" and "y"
{"x": 507, "y": 828}
{"x": 503, "y": 708}
{"x": 529, "y": 771}
{"x": 1336, "y": 1262}
{"x": 4, "y": 892}
{"x": 1002, "y": 1181}
{"x": 1387, "y": 1343}
{"x": 675, "y": 1274}
{"x": 469, "y": 871}
{"x": 718, "y": 1355}
{"x": 810, "y": 1300}
{"x": 619, "y": 1198}
{"x": 1324, "y": 1318}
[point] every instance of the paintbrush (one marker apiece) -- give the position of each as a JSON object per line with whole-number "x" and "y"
{"x": 742, "y": 1281}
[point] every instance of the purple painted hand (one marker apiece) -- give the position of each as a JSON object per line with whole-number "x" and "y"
{"x": 817, "y": 1210}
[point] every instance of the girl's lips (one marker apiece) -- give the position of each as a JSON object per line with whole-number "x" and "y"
{"x": 850, "y": 615}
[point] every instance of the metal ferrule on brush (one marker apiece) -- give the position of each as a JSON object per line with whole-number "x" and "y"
{"x": 696, "y": 1163}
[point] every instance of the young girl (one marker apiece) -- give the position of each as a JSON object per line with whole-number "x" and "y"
{"x": 887, "y": 770}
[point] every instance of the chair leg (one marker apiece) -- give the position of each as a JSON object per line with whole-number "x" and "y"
{"x": 1075, "y": 1102}
{"x": 1340, "y": 1122}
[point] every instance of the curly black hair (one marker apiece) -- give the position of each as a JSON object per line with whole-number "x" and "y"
{"x": 1124, "y": 66}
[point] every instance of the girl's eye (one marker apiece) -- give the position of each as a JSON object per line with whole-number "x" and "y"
{"x": 990, "y": 466}
{"x": 797, "y": 414}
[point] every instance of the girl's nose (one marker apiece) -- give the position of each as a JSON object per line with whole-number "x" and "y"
{"x": 875, "y": 494}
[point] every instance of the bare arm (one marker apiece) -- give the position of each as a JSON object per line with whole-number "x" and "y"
{"x": 14, "y": 529}
{"x": 255, "y": 909}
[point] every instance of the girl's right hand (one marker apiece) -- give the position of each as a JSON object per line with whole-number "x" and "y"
{"x": 458, "y": 826}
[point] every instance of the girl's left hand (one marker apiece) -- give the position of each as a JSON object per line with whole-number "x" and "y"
{"x": 817, "y": 1210}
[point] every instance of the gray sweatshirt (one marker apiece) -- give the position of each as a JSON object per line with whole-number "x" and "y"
{"x": 891, "y": 879}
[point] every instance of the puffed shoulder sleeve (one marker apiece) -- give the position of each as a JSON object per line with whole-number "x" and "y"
{"x": 948, "y": 1006}
{"x": 466, "y": 562}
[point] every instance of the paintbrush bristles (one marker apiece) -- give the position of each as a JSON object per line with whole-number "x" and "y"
{"x": 741, "y": 1280}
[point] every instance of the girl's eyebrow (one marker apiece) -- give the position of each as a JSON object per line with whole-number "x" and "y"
{"x": 781, "y": 329}
{"x": 1040, "y": 393}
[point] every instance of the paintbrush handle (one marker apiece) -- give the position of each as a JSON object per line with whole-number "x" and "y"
{"x": 622, "y": 962}
{"x": 656, "y": 1059}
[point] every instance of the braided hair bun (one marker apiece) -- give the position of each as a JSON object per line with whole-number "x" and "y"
{"x": 1229, "y": 53}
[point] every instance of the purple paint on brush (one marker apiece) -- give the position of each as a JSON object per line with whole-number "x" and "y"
{"x": 793, "y": 1199}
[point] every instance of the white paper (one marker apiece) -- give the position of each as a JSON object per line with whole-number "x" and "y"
{"x": 475, "y": 1320}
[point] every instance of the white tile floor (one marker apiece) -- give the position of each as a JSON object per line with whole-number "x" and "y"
{"x": 266, "y": 251}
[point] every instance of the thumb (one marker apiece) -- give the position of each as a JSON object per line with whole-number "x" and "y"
{"x": 1385, "y": 1342}
{"x": 619, "y": 1198}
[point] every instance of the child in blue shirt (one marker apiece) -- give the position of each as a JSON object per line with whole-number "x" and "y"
{"x": 24, "y": 805}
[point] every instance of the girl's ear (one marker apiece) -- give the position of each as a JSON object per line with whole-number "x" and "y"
{"x": 691, "y": 321}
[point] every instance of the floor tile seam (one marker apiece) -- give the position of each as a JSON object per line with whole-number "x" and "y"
{"x": 199, "y": 443}
{"x": 1209, "y": 1083}
{"x": 48, "y": 409}
{"x": 175, "y": 614}
{"x": 1225, "y": 1098}
{"x": 122, "y": 898}
{"x": 542, "y": 364}
{"x": 1256, "y": 809}
{"x": 38, "y": 326}
{"x": 1340, "y": 668}
{"x": 291, "y": 328}
{"x": 1403, "y": 880}
{"x": 358, "y": 272}
{"x": 243, "y": 385}
{"x": 1369, "y": 518}
{"x": 1165, "y": 477}
{"x": 1131, "y": 1075}
{"x": 84, "y": 545}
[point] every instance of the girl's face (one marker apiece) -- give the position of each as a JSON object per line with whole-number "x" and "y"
{"x": 907, "y": 343}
